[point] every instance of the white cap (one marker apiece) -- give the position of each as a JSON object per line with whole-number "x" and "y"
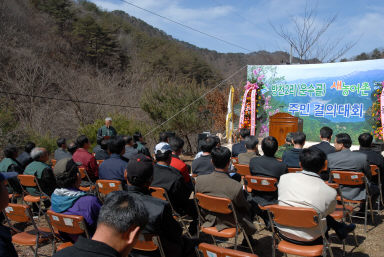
{"x": 108, "y": 118}
{"x": 162, "y": 147}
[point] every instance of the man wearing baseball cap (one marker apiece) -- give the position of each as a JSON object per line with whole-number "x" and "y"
{"x": 6, "y": 246}
{"x": 172, "y": 181}
{"x": 106, "y": 131}
{"x": 68, "y": 199}
{"x": 161, "y": 221}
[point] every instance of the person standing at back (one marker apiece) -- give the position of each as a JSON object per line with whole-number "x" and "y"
{"x": 85, "y": 158}
{"x": 25, "y": 157}
{"x": 61, "y": 152}
{"x": 325, "y": 137}
{"x": 240, "y": 147}
{"x": 106, "y": 131}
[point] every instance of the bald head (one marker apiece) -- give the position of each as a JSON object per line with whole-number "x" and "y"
{"x": 39, "y": 154}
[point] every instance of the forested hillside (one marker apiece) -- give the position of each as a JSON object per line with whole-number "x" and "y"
{"x": 63, "y": 49}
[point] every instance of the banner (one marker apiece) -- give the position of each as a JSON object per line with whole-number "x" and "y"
{"x": 229, "y": 119}
{"x": 338, "y": 95}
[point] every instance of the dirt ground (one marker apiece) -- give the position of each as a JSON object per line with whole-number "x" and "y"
{"x": 370, "y": 243}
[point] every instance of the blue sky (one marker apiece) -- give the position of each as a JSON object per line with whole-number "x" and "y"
{"x": 247, "y": 22}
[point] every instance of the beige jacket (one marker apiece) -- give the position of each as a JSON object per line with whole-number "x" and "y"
{"x": 305, "y": 189}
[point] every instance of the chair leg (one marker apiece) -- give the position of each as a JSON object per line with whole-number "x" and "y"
{"x": 365, "y": 215}
{"x": 371, "y": 210}
{"x": 249, "y": 243}
{"x": 354, "y": 234}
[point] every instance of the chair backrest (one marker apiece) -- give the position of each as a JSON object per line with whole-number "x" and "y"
{"x": 374, "y": 170}
{"x": 333, "y": 185}
{"x": 18, "y": 212}
{"x": 242, "y": 169}
{"x": 99, "y": 162}
{"x": 107, "y": 186}
{"x": 216, "y": 251}
{"x": 214, "y": 204}
{"x": 83, "y": 173}
{"x": 71, "y": 224}
{"x": 146, "y": 242}
{"x": 27, "y": 180}
{"x": 263, "y": 184}
{"x": 297, "y": 217}
{"x": 294, "y": 170}
{"x": 235, "y": 160}
{"x": 53, "y": 161}
{"x": 348, "y": 178}
{"x": 159, "y": 193}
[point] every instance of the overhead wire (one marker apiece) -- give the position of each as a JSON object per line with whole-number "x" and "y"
{"x": 186, "y": 26}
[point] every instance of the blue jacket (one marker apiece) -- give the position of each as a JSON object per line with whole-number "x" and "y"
{"x": 113, "y": 168}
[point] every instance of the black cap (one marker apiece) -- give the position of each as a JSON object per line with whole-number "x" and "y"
{"x": 140, "y": 166}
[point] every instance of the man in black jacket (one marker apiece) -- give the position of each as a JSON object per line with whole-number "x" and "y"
{"x": 172, "y": 181}
{"x": 373, "y": 158}
{"x": 10, "y": 164}
{"x": 240, "y": 147}
{"x": 25, "y": 157}
{"x": 161, "y": 221}
{"x": 203, "y": 165}
{"x": 325, "y": 137}
{"x": 268, "y": 166}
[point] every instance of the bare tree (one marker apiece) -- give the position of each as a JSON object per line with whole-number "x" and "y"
{"x": 308, "y": 39}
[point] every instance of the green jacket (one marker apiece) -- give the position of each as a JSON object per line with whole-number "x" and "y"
{"x": 36, "y": 168}
{"x": 282, "y": 149}
{"x": 6, "y": 162}
{"x": 104, "y": 131}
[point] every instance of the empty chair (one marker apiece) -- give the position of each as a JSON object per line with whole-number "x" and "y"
{"x": 34, "y": 237}
{"x": 30, "y": 181}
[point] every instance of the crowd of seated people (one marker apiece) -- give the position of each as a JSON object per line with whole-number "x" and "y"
{"x": 114, "y": 226}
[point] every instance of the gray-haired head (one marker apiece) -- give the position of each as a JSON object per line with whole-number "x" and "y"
{"x": 37, "y": 153}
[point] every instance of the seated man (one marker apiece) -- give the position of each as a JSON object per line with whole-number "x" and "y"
{"x": 161, "y": 221}
{"x": 251, "y": 143}
{"x": 114, "y": 167}
{"x": 140, "y": 144}
{"x": 344, "y": 159}
{"x": 41, "y": 171}
{"x": 61, "y": 152}
{"x": 25, "y": 157}
{"x": 130, "y": 151}
{"x": 291, "y": 156}
{"x": 163, "y": 139}
{"x": 373, "y": 158}
{"x": 177, "y": 144}
{"x": 118, "y": 227}
{"x": 288, "y": 145}
{"x": 10, "y": 164}
{"x": 240, "y": 147}
{"x": 102, "y": 153}
{"x": 325, "y": 137}
{"x": 203, "y": 165}
{"x": 172, "y": 181}
{"x": 267, "y": 166}
{"x": 85, "y": 158}
{"x": 6, "y": 246}
{"x": 68, "y": 199}
{"x": 306, "y": 189}
{"x": 219, "y": 184}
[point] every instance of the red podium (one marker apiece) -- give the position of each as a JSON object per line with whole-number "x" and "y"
{"x": 282, "y": 123}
